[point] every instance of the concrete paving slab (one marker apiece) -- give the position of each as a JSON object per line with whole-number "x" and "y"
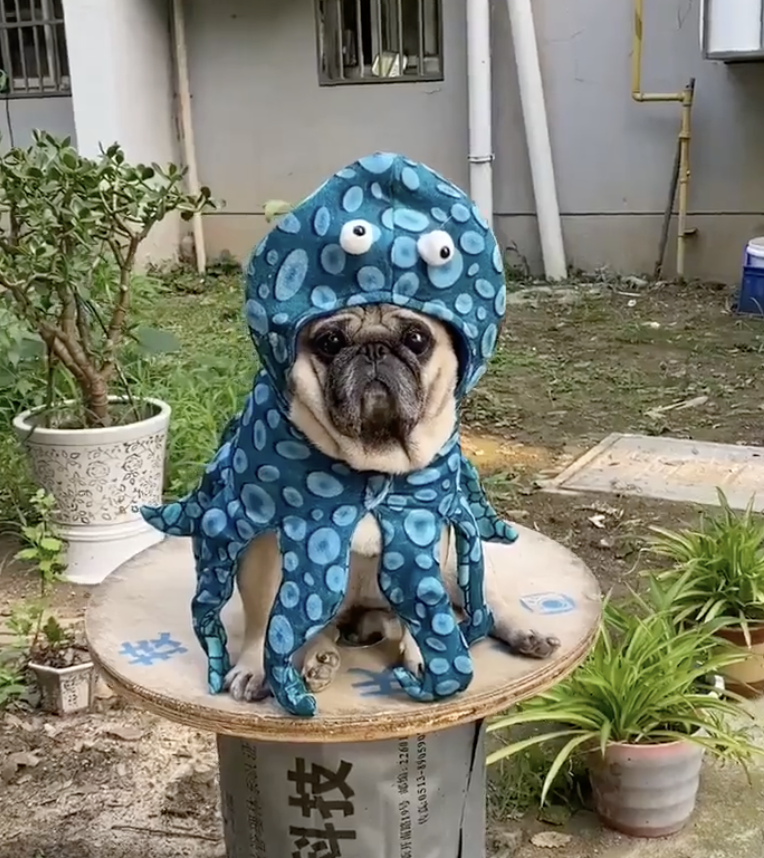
{"x": 672, "y": 469}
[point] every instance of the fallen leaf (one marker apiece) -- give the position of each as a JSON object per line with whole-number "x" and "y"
{"x": 598, "y": 520}
{"x": 554, "y": 814}
{"x": 15, "y": 721}
{"x": 550, "y": 839}
{"x": 129, "y": 734}
{"x": 27, "y": 759}
{"x": 14, "y": 762}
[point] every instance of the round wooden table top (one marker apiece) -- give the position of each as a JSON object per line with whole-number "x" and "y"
{"x": 140, "y": 635}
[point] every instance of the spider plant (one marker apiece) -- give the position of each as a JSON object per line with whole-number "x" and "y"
{"x": 717, "y": 571}
{"x": 644, "y": 683}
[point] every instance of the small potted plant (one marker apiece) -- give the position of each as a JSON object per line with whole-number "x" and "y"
{"x": 641, "y": 711}
{"x": 716, "y": 574}
{"x": 71, "y": 229}
{"x": 60, "y": 662}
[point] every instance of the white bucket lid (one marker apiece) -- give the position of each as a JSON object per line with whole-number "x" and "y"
{"x": 756, "y": 247}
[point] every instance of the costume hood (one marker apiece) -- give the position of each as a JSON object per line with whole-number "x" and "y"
{"x": 384, "y": 229}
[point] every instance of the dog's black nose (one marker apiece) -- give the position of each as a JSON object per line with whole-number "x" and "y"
{"x": 375, "y": 351}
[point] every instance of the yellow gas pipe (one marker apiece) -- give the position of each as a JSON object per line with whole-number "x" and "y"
{"x": 685, "y": 98}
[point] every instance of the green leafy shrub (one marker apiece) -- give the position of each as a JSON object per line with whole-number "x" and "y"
{"x": 70, "y": 232}
{"x": 716, "y": 572}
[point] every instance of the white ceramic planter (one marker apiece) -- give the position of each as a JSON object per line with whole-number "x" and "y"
{"x": 66, "y": 690}
{"x": 100, "y": 478}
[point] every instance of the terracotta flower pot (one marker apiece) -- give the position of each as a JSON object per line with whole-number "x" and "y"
{"x": 746, "y": 677}
{"x": 646, "y": 790}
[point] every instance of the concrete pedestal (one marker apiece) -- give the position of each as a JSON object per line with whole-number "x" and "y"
{"x": 374, "y": 773}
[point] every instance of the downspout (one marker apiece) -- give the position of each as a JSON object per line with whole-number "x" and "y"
{"x": 187, "y": 127}
{"x": 537, "y": 135}
{"x": 479, "y": 101}
{"x": 685, "y": 99}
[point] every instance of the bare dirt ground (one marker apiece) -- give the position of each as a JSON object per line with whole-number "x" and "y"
{"x": 122, "y": 784}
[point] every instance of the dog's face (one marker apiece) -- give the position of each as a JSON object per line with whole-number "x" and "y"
{"x": 374, "y": 387}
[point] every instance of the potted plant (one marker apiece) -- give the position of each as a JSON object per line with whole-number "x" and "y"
{"x": 71, "y": 229}
{"x": 642, "y": 711}
{"x": 716, "y": 573}
{"x": 61, "y": 664}
{"x": 63, "y": 670}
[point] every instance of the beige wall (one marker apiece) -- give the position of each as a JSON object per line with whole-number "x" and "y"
{"x": 266, "y": 129}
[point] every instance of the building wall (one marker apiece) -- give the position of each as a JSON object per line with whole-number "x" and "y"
{"x": 28, "y": 114}
{"x": 265, "y": 129}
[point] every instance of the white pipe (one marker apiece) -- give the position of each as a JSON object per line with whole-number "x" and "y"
{"x": 187, "y": 126}
{"x": 479, "y": 101}
{"x": 537, "y": 134}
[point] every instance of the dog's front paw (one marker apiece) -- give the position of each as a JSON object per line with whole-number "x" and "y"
{"x": 322, "y": 661}
{"x": 534, "y": 645}
{"x": 246, "y": 680}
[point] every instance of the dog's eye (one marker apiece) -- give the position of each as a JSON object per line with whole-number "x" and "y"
{"x": 330, "y": 344}
{"x": 436, "y": 248}
{"x": 416, "y": 340}
{"x": 357, "y": 237}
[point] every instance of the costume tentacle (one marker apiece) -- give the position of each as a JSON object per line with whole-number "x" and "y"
{"x": 490, "y": 526}
{"x": 410, "y": 579}
{"x": 304, "y": 606}
{"x": 470, "y": 575}
{"x": 214, "y": 587}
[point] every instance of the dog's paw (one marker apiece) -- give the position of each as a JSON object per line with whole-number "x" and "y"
{"x": 245, "y": 681}
{"x": 411, "y": 655}
{"x": 534, "y": 645}
{"x": 320, "y": 665}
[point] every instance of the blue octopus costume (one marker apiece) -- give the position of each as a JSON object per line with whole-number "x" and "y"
{"x": 382, "y": 230}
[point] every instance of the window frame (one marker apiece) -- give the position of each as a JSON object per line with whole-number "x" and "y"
{"x": 375, "y": 7}
{"x": 45, "y": 26}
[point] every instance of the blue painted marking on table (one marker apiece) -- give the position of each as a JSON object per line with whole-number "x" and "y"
{"x": 377, "y": 683}
{"x": 147, "y": 652}
{"x": 548, "y": 603}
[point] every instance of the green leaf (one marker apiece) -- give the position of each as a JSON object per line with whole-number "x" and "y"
{"x": 154, "y": 341}
{"x": 276, "y": 208}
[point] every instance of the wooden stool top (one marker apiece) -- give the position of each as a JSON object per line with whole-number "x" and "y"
{"x": 140, "y": 635}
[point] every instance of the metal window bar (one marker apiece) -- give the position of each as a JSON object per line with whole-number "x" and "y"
{"x": 365, "y": 41}
{"x": 33, "y": 48}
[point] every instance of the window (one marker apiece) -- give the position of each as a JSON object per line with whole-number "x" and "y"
{"x": 33, "y": 47}
{"x": 371, "y": 41}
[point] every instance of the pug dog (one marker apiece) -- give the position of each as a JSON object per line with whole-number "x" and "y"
{"x": 373, "y": 387}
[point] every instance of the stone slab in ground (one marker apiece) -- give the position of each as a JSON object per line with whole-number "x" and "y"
{"x": 673, "y": 469}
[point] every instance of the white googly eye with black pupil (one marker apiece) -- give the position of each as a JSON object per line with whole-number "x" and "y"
{"x": 357, "y": 237}
{"x": 436, "y": 248}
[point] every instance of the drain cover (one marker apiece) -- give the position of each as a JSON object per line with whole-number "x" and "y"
{"x": 671, "y": 469}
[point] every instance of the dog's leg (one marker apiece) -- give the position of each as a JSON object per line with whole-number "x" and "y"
{"x": 258, "y": 580}
{"x": 527, "y": 642}
{"x": 322, "y": 659}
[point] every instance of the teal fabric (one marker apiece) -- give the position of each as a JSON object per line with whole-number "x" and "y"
{"x": 385, "y": 229}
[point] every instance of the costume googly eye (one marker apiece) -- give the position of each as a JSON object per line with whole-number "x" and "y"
{"x": 436, "y": 248}
{"x": 357, "y": 237}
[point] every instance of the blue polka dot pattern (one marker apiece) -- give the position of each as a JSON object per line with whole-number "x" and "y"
{"x": 266, "y": 477}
